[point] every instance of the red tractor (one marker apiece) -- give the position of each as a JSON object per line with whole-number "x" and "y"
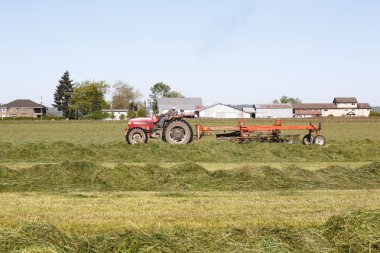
{"x": 175, "y": 130}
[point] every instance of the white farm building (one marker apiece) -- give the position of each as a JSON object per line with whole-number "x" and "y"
{"x": 222, "y": 111}
{"x": 115, "y": 114}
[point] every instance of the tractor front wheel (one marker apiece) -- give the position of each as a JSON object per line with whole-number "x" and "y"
{"x": 136, "y": 135}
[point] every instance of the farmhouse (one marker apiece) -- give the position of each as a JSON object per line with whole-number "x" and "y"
{"x": 222, "y": 111}
{"x": 186, "y": 106}
{"x": 23, "y": 108}
{"x": 340, "y": 107}
{"x": 273, "y": 111}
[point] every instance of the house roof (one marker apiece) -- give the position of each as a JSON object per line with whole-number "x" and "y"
{"x": 273, "y": 106}
{"x": 241, "y": 106}
{"x": 315, "y": 112}
{"x": 23, "y": 103}
{"x": 249, "y": 109}
{"x": 364, "y": 106}
{"x": 179, "y": 103}
{"x": 345, "y": 100}
{"x": 315, "y": 106}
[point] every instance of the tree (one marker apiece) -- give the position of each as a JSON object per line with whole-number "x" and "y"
{"x": 88, "y": 99}
{"x": 136, "y": 110}
{"x": 63, "y": 95}
{"x": 160, "y": 90}
{"x": 174, "y": 94}
{"x": 124, "y": 95}
{"x": 285, "y": 99}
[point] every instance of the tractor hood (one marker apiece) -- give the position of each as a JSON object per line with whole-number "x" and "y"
{"x": 144, "y": 121}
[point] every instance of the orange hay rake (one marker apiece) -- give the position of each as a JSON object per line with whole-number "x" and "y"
{"x": 263, "y": 133}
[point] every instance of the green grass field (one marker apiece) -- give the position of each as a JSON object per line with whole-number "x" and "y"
{"x": 87, "y": 132}
{"x": 69, "y": 186}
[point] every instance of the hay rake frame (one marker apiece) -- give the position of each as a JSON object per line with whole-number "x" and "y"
{"x": 262, "y": 133}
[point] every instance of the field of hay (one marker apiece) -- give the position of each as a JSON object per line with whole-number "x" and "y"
{"x": 76, "y": 186}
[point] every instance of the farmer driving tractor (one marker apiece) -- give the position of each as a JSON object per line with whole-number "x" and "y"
{"x": 167, "y": 116}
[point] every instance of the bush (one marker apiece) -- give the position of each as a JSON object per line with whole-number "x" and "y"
{"x": 98, "y": 115}
{"x": 122, "y": 117}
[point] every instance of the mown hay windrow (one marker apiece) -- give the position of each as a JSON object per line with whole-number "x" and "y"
{"x": 205, "y": 152}
{"x": 6, "y": 172}
{"x": 89, "y": 176}
{"x": 356, "y": 232}
{"x": 37, "y": 238}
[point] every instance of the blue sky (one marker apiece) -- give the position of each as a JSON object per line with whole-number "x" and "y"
{"x": 223, "y": 51}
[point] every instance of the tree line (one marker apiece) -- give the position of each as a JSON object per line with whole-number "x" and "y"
{"x": 86, "y": 99}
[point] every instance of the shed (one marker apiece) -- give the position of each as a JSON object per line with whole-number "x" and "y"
{"x": 273, "y": 110}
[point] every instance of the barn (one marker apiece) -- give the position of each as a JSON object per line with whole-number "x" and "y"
{"x": 222, "y": 111}
{"x": 273, "y": 111}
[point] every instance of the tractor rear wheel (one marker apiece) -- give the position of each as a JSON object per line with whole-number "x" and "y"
{"x": 136, "y": 135}
{"x": 178, "y": 132}
{"x": 308, "y": 139}
{"x": 163, "y": 134}
{"x": 320, "y": 140}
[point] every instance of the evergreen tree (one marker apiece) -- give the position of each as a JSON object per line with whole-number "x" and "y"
{"x": 62, "y": 95}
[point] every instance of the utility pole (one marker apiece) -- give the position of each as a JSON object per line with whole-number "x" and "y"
{"x": 42, "y": 113}
{"x": 146, "y": 113}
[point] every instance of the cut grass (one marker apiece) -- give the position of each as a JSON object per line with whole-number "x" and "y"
{"x": 202, "y": 152}
{"x": 88, "y": 176}
{"x": 209, "y": 196}
{"x": 357, "y": 232}
{"x": 100, "y": 212}
{"x": 212, "y": 166}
